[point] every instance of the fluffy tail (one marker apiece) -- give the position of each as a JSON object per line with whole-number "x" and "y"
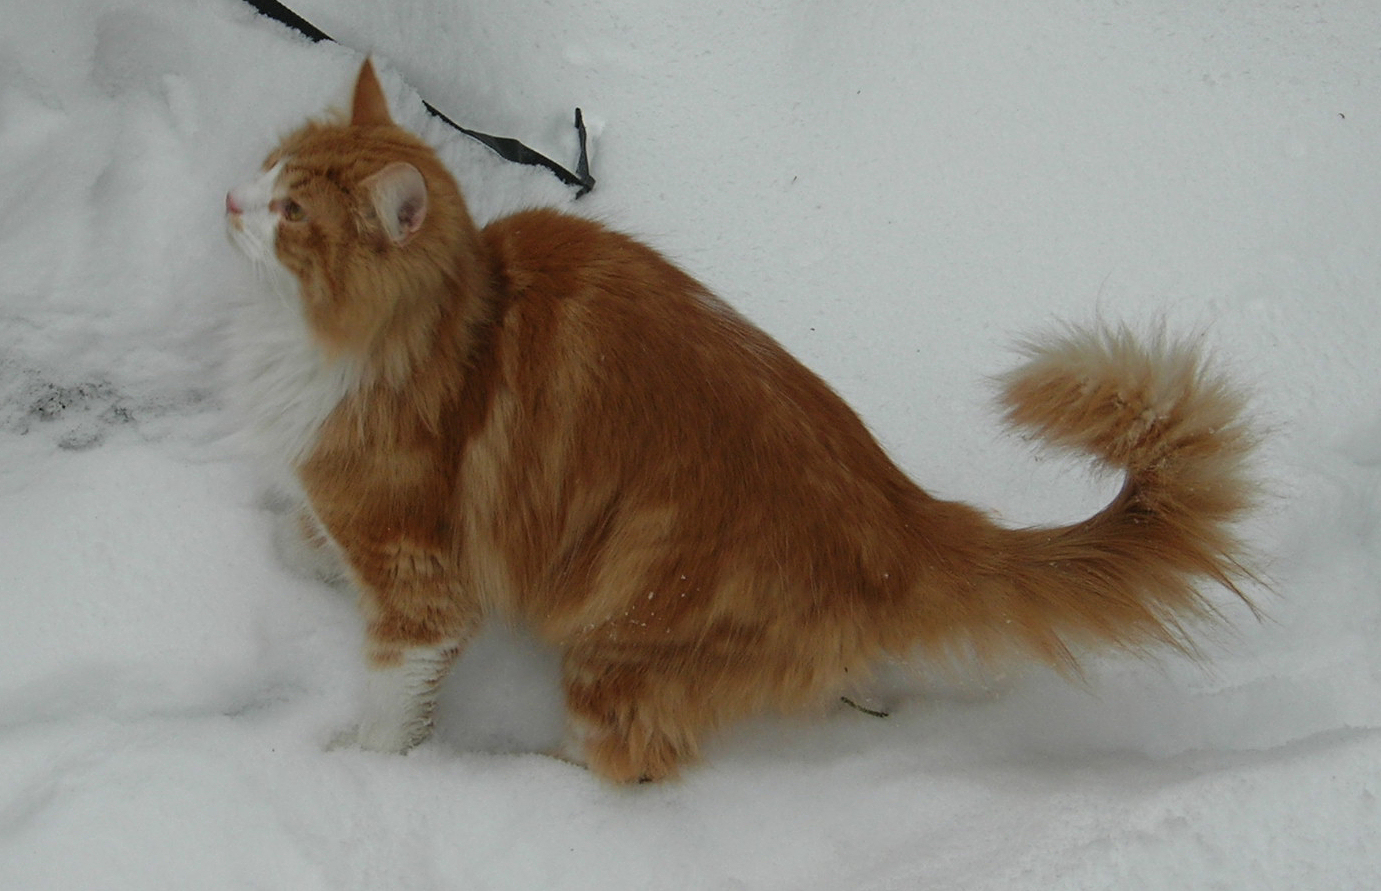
{"x": 1127, "y": 576}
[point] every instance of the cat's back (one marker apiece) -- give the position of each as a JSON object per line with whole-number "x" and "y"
{"x": 585, "y": 302}
{"x": 639, "y": 359}
{"x": 545, "y": 254}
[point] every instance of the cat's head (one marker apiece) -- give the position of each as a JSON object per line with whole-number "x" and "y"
{"x": 360, "y": 216}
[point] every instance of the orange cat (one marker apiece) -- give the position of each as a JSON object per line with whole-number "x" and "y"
{"x": 548, "y": 422}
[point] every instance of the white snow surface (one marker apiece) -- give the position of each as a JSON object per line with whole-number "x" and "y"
{"x": 897, "y": 191}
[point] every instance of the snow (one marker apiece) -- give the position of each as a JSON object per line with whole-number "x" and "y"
{"x": 897, "y": 191}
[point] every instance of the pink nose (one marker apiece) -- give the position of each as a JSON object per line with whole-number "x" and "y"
{"x": 231, "y": 206}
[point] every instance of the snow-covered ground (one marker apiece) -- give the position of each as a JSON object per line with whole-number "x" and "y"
{"x": 896, "y": 190}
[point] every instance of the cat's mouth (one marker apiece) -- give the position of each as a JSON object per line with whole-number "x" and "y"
{"x": 233, "y": 211}
{"x": 249, "y": 234}
{"x": 239, "y": 236}
{"x": 235, "y": 221}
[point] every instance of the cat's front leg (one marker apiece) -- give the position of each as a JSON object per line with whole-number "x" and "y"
{"x": 400, "y": 694}
{"x": 415, "y": 627}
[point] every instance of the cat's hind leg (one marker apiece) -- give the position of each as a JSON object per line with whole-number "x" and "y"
{"x": 632, "y": 720}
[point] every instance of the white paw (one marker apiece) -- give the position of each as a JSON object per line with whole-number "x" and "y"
{"x": 398, "y": 700}
{"x": 378, "y": 737}
{"x": 304, "y": 549}
{"x": 573, "y": 742}
{"x": 391, "y": 738}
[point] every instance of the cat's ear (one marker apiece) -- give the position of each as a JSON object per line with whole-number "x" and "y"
{"x": 369, "y": 105}
{"x": 399, "y": 195}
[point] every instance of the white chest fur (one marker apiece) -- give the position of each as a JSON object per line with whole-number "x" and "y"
{"x": 282, "y": 386}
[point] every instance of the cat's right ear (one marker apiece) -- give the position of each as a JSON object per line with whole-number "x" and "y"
{"x": 399, "y": 196}
{"x": 369, "y": 105}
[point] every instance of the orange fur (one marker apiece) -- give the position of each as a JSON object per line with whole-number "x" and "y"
{"x": 554, "y": 424}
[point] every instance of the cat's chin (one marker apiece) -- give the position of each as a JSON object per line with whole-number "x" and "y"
{"x": 247, "y": 238}
{"x": 253, "y": 246}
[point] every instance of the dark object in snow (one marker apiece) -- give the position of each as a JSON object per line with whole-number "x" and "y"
{"x": 871, "y": 712}
{"x": 506, "y": 147}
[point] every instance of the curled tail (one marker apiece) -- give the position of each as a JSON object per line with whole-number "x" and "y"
{"x": 1129, "y": 575}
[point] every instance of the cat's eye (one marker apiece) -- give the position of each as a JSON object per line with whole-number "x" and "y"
{"x": 292, "y": 211}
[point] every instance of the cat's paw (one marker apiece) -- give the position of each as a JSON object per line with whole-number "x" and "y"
{"x": 391, "y": 738}
{"x": 304, "y": 548}
{"x": 377, "y": 738}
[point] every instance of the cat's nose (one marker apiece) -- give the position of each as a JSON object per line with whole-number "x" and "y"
{"x": 231, "y": 205}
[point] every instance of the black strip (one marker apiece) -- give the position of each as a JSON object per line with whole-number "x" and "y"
{"x": 506, "y": 147}
{"x": 280, "y": 13}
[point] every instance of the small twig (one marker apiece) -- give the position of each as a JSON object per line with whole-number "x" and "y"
{"x": 867, "y": 711}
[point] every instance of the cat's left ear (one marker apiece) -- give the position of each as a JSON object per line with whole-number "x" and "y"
{"x": 399, "y": 195}
{"x": 369, "y": 105}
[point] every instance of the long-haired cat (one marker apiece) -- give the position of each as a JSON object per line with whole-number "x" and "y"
{"x": 548, "y": 422}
